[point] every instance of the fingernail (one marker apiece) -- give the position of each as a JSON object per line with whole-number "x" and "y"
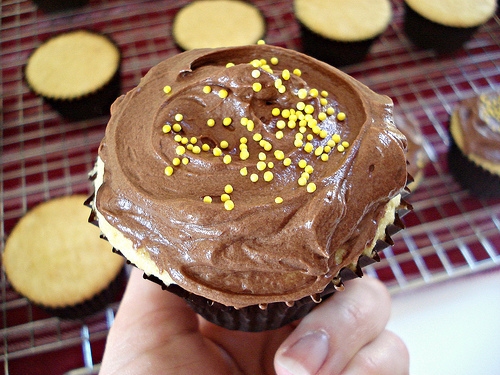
{"x": 306, "y": 356}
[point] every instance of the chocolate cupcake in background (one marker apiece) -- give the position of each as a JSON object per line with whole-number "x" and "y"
{"x": 416, "y": 154}
{"x": 77, "y": 73}
{"x": 50, "y": 6}
{"x": 55, "y": 259}
{"x": 253, "y": 181}
{"x": 218, "y": 23}
{"x": 445, "y": 25}
{"x": 474, "y": 154}
{"x": 341, "y": 32}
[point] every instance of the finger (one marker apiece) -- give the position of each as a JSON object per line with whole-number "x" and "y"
{"x": 329, "y": 337}
{"x": 387, "y": 354}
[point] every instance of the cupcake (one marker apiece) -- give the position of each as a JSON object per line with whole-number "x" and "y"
{"x": 252, "y": 181}
{"x": 341, "y": 32}
{"x": 59, "y": 5}
{"x": 416, "y": 155}
{"x": 55, "y": 259}
{"x": 218, "y": 23}
{"x": 445, "y": 25}
{"x": 77, "y": 73}
{"x": 474, "y": 154}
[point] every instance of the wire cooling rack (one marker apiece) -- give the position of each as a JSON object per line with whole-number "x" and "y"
{"x": 449, "y": 234}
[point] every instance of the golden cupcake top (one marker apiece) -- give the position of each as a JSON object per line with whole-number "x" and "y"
{"x": 250, "y": 174}
{"x": 73, "y": 64}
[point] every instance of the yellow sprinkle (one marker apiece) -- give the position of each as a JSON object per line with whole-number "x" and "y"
{"x": 223, "y": 94}
{"x": 184, "y": 140}
{"x": 309, "y": 169}
{"x": 185, "y": 161}
{"x": 309, "y": 109}
{"x": 340, "y": 148}
{"x": 207, "y": 199}
{"x": 255, "y": 73}
{"x": 281, "y": 124}
{"x": 190, "y": 147}
{"x": 302, "y": 93}
{"x": 250, "y": 125}
{"x": 330, "y": 111}
{"x": 302, "y": 129}
{"x": 193, "y": 140}
{"x": 285, "y": 74}
{"x": 261, "y": 165}
{"x": 314, "y": 93}
{"x": 243, "y": 146}
{"x": 287, "y": 162}
{"x": 279, "y": 134}
{"x": 243, "y": 140}
{"x": 331, "y": 143}
{"x": 196, "y": 149}
{"x": 254, "y": 177}
{"x": 178, "y": 138}
{"x": 180, "y": 150}
{"x": 336, "y": 138}
{"x": 311, "y": 187}
{"x": 227, "y": 121}
{"x": 257, "y": 86}
{"x": 302, "y": 163}
{"x": 217, "y": 151}
{"x": 207, "y": 89}
{"x": 292, "y": 124}
{"x": 257, "y": 137}
{"x": 267, "y": 68}
{"x": 281, "y": 89}
{"x": 227, "y": 159}
{"x": 166, "y": 128}
{"x": 341, "y": 116}
{"x": 263, "y": 62}
{"x": 310, "y": 137}
{"x": 298, "y": 143}
{"x": 178, "y": 117}
{"x": 274, "y": 60}
{"x": 262, "y": 156}
{"x": 308, "y": 147}
{"x": 316, "y": 129}
{"x": 229, "y": 205}
{"x": 244, "y": 154}
{"x": 285, "y": 113}
{"x": 302, "y": 181}
{"x": 229, "y": 65}
{"x": 244, "y": 121}
{"x": 327, "y": 149}
{"x": 323, "y": 101}
{"x": 260, "y": 41}
{"x": 255, "y": 63}
{"x": 244, "y": 171}
{"x": 322, "y": 116}
{"x": 270, "y": 165}
{"x": 224, "y": 144}
{"x": 300, "y": 106}
{"x": 225, "y": 197}
{"x": 324, "y": 94}
{"x": 205, "y": 147}
{"x": 278, "y": 83}
{"x": 268, "y": 176}
{"x": 305, "y": 175}
{"x": 278, "y": 200}
{"x": 176, "y": 128}
{"x": 323, "y": 134}
{"x": 167, "y": 89}
{"x": 275, "y": 111}
{"x": 318, "y": 151}
{"x": 279, "y": 155}
{"x": 169, "y": 170}
{"x": 324, "y": 157}
{"x": 345, "y": 144}
{"x": 211, "y": 122}
{"x": 297, "y": 72}
{"x": 176, "y": 161}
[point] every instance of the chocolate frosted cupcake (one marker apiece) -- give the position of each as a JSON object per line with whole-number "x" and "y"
{"x": 77, "y": 73}
{"x": 218, "y": 23}
{"x": 55, "y": 259}
{"x": 341, "y": 32}
{"x": 252, "y": 181}
{"x": 474, "y": 155}
{"x": 445, "y": 25}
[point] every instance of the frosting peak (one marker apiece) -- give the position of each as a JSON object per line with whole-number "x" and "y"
{"x": 250, "y": 174}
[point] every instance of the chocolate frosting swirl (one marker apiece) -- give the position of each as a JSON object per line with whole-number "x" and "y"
{"x": 479, "y": 121}
{"x": 260, "y": 251}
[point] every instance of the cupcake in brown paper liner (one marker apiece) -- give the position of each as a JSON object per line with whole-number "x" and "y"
{"x": 474, "y": 153}
{"x": 341, "y": 32}
{"x": 77, "y": 73}
{"x": 252, "y": 181}
{"x": 237, "y": 23}
{"x": 55, "y": 259}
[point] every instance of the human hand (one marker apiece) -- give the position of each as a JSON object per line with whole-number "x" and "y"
{"x": 155, "y": 332}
